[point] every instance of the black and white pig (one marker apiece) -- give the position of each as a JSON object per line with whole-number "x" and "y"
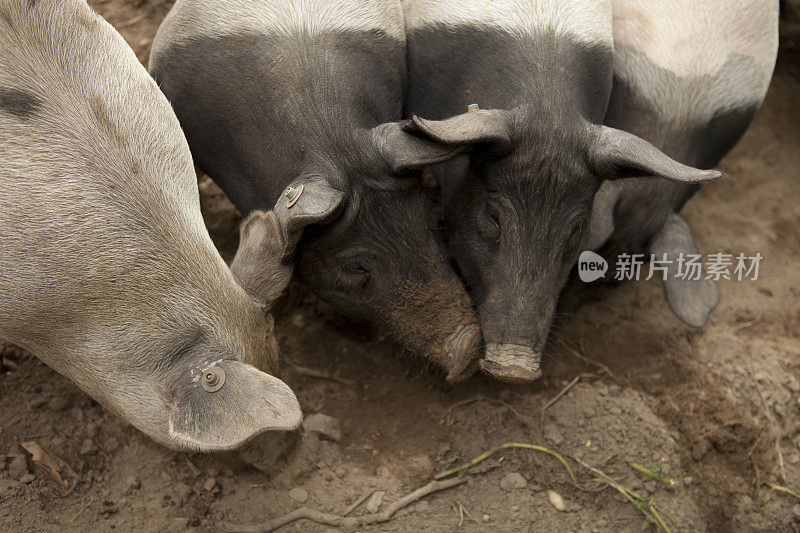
{"x": 299, "y": 101}
{"x": 688, "y": 77}
{"x": 538, "y": 76}
{"x": 107, "y": 272}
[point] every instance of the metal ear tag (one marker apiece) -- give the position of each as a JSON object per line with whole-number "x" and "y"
{"x": 471, "y": 108}
{"x": 292, "y": 194}
{"x": 213, "y": 379}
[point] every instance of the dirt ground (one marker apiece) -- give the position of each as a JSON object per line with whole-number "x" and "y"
{"x": 718, "y": 409}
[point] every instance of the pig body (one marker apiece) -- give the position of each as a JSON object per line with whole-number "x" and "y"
{"x": 282, "y": 94}
{"x": 107, "y": 272}
{"x": 688, "y": 77}
{"x": 518, "y": 206}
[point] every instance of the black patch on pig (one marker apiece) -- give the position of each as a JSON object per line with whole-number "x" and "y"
{"x": 18, "y": 102}
{"x": 452, "y": 67}
{"x": 248, "y": 104}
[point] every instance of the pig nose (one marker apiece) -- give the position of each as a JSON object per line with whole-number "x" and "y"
{"x": 463, "y": 350}
{"x": 513, "y": 363}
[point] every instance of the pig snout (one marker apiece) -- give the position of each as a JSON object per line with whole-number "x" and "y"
{"x": 513, "y": 363}
{"x": 463, "y": 350}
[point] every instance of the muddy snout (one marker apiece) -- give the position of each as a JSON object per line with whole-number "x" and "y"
{"x": 512, "y": 363}
{"x": 463, "y": 351}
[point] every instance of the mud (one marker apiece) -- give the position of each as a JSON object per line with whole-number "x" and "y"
{"x": 711, "y": 407}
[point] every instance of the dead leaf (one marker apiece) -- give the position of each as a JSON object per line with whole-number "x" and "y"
{"x": 54, "y": 466}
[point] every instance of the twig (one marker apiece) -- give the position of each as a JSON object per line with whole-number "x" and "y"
{"x": 781, "y": 488}
{"x": 312, "y": 373}
{"x": 79, "y": 513}
{"x": 333, "y": 520}
{"x": 575, "y": 353}
{"x": 358, "y": 502}
{"x": 776, "y": 428}
{"x": 461, "y": 470}
{"x": 563, "y": 392}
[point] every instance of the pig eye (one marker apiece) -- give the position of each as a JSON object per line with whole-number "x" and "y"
{"x": 493, "y": 217}
{"x": 354, "y": 275}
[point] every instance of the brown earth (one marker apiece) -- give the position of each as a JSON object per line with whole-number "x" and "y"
{"x": 713, "y": 407}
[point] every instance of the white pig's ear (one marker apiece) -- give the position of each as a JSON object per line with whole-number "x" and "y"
{"x": 222, "y": 406}
{"x": 308, "y": 200}
{"x": 618, "y": 154}
{"x": 692, "y": 300}
{"x": 258, "y": 264}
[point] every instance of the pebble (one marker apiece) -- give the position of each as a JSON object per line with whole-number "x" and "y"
{"x": 209, "y": 484}
{"x": 374, "y": 502}
{"x": 88, "y": 447}
{"x": 182, "y": 493}
{"x": 325, "y": 426}
{"x": 601, "y": 522}
{"x": 27, "y": 478}
{"x": 688, "y": 480}
{"x": 58, "y": 403}
{"x": 615, "y": 411}
{"x": 329, "y": 476}
{"x": 18, "y": 467}
{"x": 556, "y": 500}
{"x": 133, "y": 483}
{"x": 589, "y": 412}
{"x": 486, "y": 518}
{"x": 553, "y": 434}
{"x": 299, "y": 494}
{"x": 650, "y": 486}
{"x": 513, "y": 481}
{"x": 9, "y": 487}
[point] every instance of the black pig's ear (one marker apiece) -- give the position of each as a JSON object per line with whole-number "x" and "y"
{"x": 258, "y": 265}
{"x": 618, "y": 154}
{"x": 404, "y": 151}
{"x": 223, "y": 405}
{"x": 308, "y": 200}
{"x": 490, "y": 127}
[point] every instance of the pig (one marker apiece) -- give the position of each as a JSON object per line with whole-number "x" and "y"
{"x": 691, "y": 88}
{"x": 298, "y": 104}
{"x": 107, "y": 272}
{"x": 537, "y": 79}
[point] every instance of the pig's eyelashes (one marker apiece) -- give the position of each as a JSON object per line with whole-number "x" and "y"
{"x": 354, "y": 275}
{"x": 492, "y": 222}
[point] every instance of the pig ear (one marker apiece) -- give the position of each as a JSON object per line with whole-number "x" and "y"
{"x": 692, "y": 300}
{"x": 306, "y": 201}
{"x": 404, "y": 151}
{"x": 258, "y": 265}
{"x": 211, "y": 418}
{"x": 618, "y": 154}
{"x": 491, "y": 127}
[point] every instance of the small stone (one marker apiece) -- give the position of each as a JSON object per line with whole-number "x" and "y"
{"x": 486, "y": 518}
{"x": 133, "y": 483}
{"x": 553, "y": 434}
{"x": 209, "y": 484}
{"x": 650, "y": 486}
{"x": 27, "y": 478}
{"x": 299, "y": 494}
{"x": 688, "y": 480}
{"x": 329, "y": 476}
{"x": 556, "y": 500}
{"x": 18, "y": 467}
{"x": 589, "y": 412}
{"x": 341, "y": 472}
{"x": 9, "y": 487}
{"x": 110, "y": 444}
{"x": 374, "y": 502}
{"x": 182, "y": 493}
{"x": 513, "y": 481}
{"x": 88, "y": 447}
{"x": 615, "y": 411}
{"x": 58, "y": 403}
{"x": 601, "y": 522}
{"x": 793, "y": 458}
{"x": 325, "y": 426}
{"x": 298, "y": 320}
